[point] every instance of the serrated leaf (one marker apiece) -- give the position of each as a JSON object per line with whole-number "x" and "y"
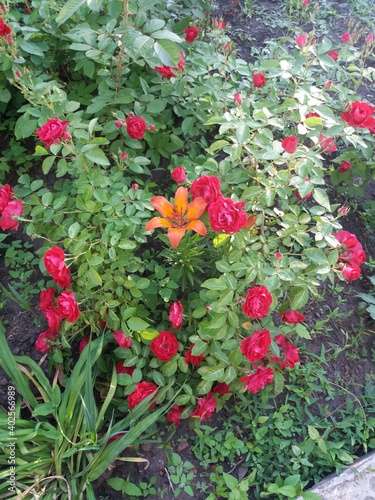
{"x": 213, "y": 373}
{"x": 321, "y": 197}
{"x": 68, "y": 10}
{"x": 168, "y": 52}
{"x": 303, "y": 332}
{"x": 74, "y": 230}
{"x": 137, "y": 324}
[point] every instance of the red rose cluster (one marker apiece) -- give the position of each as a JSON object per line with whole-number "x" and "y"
{"x": 4, "y": 28}
{"x": 359, "y": 115}
{"x": 8, "y": 208}
{"x": 53, "y": 131}
{"x": 224, "y": 214}
{"x": 167, "y": 72}
{"x": 256, "y": 347}
{"x": 67, "y": 307}
{"x": 351, "y": 255}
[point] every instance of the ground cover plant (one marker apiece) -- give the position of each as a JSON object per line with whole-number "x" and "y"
{"x": 178, "y": 199}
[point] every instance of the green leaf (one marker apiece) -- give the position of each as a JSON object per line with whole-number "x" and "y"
{"x": 218, "y": 145}
{"x": 279, "y": 383}
{"x": 309, "y": 495}
{"x": 156, "y": 106}
{"x": 132, "y": 489}
{"x": 242, "y": 133}
{"x": 313, "y": 433}
{"x": 166, "y": 35}
{"x": 116, "y": 483}
{"x": 68, "y": 10}
{"x": 168, "y": 52}
{"x": 169, "y": 368}
{"x": 96, "y": 155}
{"x": 299, "y": 298}
{"x": 94, "y": 277}
{"x": 302, "y": 332}
{"x": 74, "y": 230}
{"x": 137, "y": 324}
{"x": 316, "y": 255}
{"x": 32, "y": 48}
{"x": 321, "y": 197}
{"x": 214, "y": 373}
{"x": 47, "y": 164}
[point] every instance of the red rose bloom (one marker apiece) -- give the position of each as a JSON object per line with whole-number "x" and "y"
{"x": 351, "y": 272}
{"x": 165, "y": 71}
{"x": 142, "y": 390}
{"x": 351, "y": 251}
{"x": 207, "y": 187}
{"x": 291, "y": 317}
{"x": 220, "y": 389}
{"x": 41, "y": 344}
{"x": 4, "y": 29}
{"x": 54, "y": 263}
{"x": 301, "y": 40}
{"x": 206, "y": 407}
{"x": 257, "y": 302}
{"x": 122, "y": 339}
{"x": 290, "y": 351}
{"x": 164, "y": 346}
{"x": 255, "y": 347}
{"x": 67, "y": 307}
{"x": 174, "y": 414}
{"x": 328, "y": 145}
{"x": 53, "y": 319}
{"x": 345, "y": 37}
{"x": 191, "y": 34}
{"x": 120, "y": 368}
{"x": 179, "y": 175}
{"x": 135, "y": 127}
{"x": 14, "y": 207}
{"x": 290, "y": 144}
{"x": 52, "y": 131}
{"x": 333, "y": 54}
{"x": 226, "y": 215}
{"x": 6, "y": 195}
{"x": 259, "y": 80}
{"x": 194, "y": 360}
{"x": 175, "y": 315}
{"x": 46, "y": 299}
{"x": 359, "y": 114}
{"x": 237, "y": 98}
{"x": 257, "y": 381}
{"x": 345, "y": 165}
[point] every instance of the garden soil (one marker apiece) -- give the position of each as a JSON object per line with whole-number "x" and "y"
{"x": 354, "y": 364}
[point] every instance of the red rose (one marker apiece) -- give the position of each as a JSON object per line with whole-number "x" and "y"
{"x": 359, "y": 114}
{"x": 351, "y": 250}
{"x": 290, "y": 351}
{"x": 6, "y": 195}
{"x": 191, "y": 34}
{"x": 4, "y": 29}
{"x": 333, "y": 54}
{"x": 351, "y": 272}
{"x": 122, "y": 339}
{"x": 142, "y": 390}
{"x": 290, "y": 143}
{"x": 181, "y": 63}
{"x": 328, "y": 145}
{"x": 194, "y": 360}
{"x": 370, "y": 38}
{"x": 207, "y": 187}
{"x": 257, "y": 302}
{"x": 52, "y": 131}
{"x": 221, "y": 389}
{"x": 165, "y": 71}
{"x": 255, "y": 347}
{"x": 226, "y": 215}
{"x": 237, "y": 98}
{"x": 301, "y": 40}
{"x": 12, "y": 208}
{"x": 67, "y": 307}
{"x": 41, "y": 344}
{"x": 345, "y": 37}
{"x": 291, "y": 317}
{"x": 174, "y": 414}
{"x": 135, "y": 127}
{"x": 54, "y": 263}
{"x": 164, "y": 346}
{"x": 257, "y": 381}
{"x": 179, "y": 175}
{"x": 120, "y": 368}
{"x": 53, "y": 319}
{"x": 206, "y": 407}
{"x": 46, "y": 299}
{"x": 259, "y": 80}
{"x": 345, "y": 165}
{"x": 84, "y": 342}
{"x": 175, "y": 314}
{"x": 311, "y": 114}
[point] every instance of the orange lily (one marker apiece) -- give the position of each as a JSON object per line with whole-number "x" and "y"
{"x": 180, "y": 217}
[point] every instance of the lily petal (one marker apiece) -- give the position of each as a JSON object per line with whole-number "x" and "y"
{"x": 181, "y": 201}
{"x": 157, "y": 222}
{"x": 175, "y": 235}
{"x": 198, "y": 227}
{"x": 196, "y": 208}
{"x": 163, "y": 206}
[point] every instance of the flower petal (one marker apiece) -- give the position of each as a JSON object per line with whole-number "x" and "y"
{"x": 198, "y": 227}
{"x": 196, "y": 208}
{"x": 163, "y": 206}
{"x": 157, "y": 222}
{"x": 175, "y": 235}
{"x": 181, "y": 201}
